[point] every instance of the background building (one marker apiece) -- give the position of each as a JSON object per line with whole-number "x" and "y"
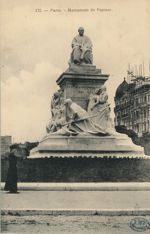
{"x": 6, "y": 141}
{"x": 132, "y": 106}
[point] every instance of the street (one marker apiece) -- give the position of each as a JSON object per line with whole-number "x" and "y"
{"x": 69, "y": 224}
{"x": 78, "y": 211}
{"x": 74, "y": 211}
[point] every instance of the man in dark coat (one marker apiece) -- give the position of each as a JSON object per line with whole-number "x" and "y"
{"x": 11, "y": 181}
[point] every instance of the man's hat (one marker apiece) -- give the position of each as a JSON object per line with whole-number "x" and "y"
{"x": 13, "y": 146}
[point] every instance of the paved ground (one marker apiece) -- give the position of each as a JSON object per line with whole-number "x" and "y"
{"x": 74, "y": 200}
{"x": 96, "y": 186}
{"x": 70, "y": 224}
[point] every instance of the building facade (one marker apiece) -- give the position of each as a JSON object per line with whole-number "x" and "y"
{"x": 132, "y": 105}
{"x": 6, "y": 141}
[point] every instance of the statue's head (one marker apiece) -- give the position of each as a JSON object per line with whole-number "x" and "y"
{"x": 56, "y": 94}
{"x": 68, "y": 102}
{"x": 100, "y": 90}
{"x": 60, "y": 91}
{"x": 97, "y": 91}
{"x": 81, "y": 31}
{"x": 103, "y": 88}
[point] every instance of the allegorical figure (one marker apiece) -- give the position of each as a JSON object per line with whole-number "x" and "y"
{"x": 56, "y": 102}
{"x": 78, "y": 121}
{"x": 12, "y": 177}
{"x": 81, "y": 49}
{"x": 99, "y": 106}
{"x": 57, "y": 112}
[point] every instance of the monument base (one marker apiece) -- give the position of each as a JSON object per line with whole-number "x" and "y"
{"x": 87, "y": 146}
{"x": 79, "y": 81}
{"x": 81, "y": 169}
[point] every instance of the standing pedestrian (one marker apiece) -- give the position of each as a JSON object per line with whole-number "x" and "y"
{"x": 12, "y": 177}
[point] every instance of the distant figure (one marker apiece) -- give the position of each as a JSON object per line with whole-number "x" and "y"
{"x": 11, "y": 181}
{"x": 81, "y": 49}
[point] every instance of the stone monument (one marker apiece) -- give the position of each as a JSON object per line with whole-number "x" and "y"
{"x": 80, "y": 124}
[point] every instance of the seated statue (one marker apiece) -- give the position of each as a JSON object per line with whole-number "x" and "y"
{"x": 99, "y": 106}
{"x": 81, "y": 49}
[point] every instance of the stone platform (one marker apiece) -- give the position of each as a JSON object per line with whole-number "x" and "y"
{"x": 87, "y": 146}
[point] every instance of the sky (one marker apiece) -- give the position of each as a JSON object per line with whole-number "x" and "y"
{"x": 36, "y": 46}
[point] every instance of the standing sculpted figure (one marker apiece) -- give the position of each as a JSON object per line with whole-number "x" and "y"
{"x": 57, "y": 112}
{"x": 81, "y": 49}
{"x": 56, "y": 101}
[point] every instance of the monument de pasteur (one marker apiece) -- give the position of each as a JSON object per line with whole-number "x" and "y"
{"x": 81, "y": 143}
{"x": 80, "y": 124}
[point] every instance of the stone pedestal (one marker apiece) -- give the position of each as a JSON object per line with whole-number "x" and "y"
{"x": 87, "y": 146}
{"x": 79, "y": 81}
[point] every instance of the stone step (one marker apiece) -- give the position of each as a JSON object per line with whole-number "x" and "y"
{"x": 117, "y": 186}
{"x": 78, "y": 212}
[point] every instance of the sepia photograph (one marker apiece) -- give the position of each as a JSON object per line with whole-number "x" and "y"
{"x": 75, "y": 116}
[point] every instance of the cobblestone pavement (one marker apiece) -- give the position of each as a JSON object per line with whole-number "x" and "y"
{"x": 69, "y": 224}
